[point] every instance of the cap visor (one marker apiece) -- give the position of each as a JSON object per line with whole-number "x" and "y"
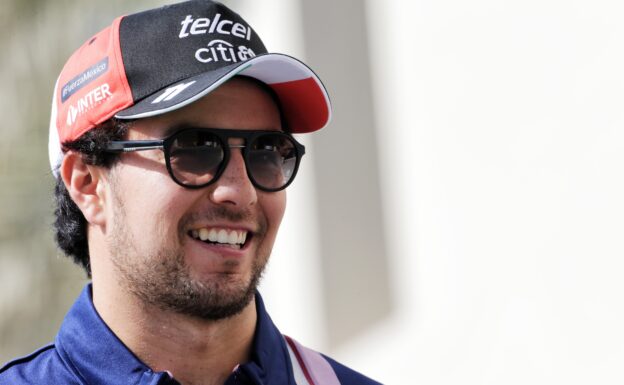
{"x": 304, "y": 100}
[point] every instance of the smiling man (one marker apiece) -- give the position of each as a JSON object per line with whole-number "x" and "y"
{"x": 171, "y": 141}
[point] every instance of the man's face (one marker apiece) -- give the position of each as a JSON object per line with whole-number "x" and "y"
{"x": 153, "y": 223}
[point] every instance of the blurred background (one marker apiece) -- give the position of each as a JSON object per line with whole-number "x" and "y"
{"x": 459, "y": 222}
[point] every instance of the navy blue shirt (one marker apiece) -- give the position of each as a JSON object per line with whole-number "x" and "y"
{"x": 86, "y": 351}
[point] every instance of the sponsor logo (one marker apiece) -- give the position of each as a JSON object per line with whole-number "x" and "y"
{"x": 87, "y": 102}
{"x": 202, "y": 26}
{"x": 220, "y": 50}
{"x": 89, "y": 75}
{"x": 172, "y": 92}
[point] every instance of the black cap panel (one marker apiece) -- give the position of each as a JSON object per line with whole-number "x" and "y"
{"x": 163, "y": 46}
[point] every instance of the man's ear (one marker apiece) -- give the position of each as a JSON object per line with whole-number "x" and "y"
{"x": 85, "y": 185}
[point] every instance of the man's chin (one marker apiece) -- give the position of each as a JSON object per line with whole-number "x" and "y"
{"x": 215, "y": 310}
{"x": 214, "y": 301}
{"x": 211, "y": 297}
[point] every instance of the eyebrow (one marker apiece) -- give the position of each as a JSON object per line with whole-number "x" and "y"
{"x": 175, "y": 128}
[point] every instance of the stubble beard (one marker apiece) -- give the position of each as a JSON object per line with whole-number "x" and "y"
{"x": 161, "y": 277}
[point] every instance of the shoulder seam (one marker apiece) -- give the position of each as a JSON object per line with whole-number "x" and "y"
{"x": 26, "y": 358}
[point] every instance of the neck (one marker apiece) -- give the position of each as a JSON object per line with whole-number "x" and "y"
{"x": 195, "y": 351}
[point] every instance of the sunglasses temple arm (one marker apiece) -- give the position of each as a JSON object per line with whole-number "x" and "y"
{"x": 138, "y": 145}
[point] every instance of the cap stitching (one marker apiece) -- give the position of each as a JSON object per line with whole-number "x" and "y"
{"x": 118, "y": 59}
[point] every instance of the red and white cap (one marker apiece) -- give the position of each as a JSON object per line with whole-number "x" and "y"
{"x": 153, "y": 62}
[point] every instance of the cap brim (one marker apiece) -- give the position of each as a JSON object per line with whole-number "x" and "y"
{"x": 304, "y": 100}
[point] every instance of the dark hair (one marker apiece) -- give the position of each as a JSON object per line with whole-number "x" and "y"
{"x": 70, "y": 226}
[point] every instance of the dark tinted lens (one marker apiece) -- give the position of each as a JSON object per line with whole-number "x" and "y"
{"x": 195, "y": 157}
{"x": 272, "y": 159}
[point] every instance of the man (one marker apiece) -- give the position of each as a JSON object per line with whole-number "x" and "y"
{"x": 171, "y": 143}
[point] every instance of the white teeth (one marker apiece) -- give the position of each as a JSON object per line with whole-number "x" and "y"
{"x": 223, "y": 236}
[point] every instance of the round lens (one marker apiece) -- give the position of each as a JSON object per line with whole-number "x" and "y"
{"x": 195, "y": 157}
{"x": 272, "y": 159}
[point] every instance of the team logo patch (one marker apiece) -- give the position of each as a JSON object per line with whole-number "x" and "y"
{"x": 172, "y": 92}
{"x": 83, "y": 105}
{"x": 89, "y": 75}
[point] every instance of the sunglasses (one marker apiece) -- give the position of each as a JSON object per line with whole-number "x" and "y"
{"x": 196, "y": 157}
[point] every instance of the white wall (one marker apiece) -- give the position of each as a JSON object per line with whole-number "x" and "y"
{"x": 500, "y": 127}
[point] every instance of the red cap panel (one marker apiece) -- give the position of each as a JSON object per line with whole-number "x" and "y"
{"x": 304, "y": 105}
{"x": 92, "y": 86}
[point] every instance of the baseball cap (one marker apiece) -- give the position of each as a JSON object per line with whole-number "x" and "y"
{"x": 153, "y": 62}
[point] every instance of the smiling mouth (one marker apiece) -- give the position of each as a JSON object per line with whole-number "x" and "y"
{"x": 234, "y": 239}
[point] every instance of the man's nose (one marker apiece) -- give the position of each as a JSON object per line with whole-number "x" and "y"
{"x": 234, "y": 186}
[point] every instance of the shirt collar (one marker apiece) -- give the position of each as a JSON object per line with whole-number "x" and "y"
{"x": 95, "y": 354}
{"x": 269, "y": 362}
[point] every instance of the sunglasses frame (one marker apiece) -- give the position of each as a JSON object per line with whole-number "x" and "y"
{"x": 223, "y": 135}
